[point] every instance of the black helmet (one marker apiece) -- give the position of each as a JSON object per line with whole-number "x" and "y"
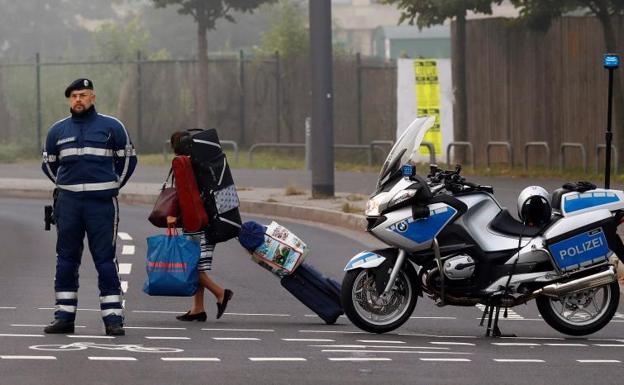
{"x": 534, "y": 206}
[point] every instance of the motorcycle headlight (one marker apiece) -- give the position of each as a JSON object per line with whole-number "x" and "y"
{"x": 402, "y": 196}
{"x": 376, "y": 205}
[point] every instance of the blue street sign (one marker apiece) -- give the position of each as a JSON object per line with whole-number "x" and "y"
{"x": 611, "y": 61}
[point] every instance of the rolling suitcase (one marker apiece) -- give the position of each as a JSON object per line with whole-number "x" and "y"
{"x": 194, "y": 217}
{"x": 319, "y": 293}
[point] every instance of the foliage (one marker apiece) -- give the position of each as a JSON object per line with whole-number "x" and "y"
{"x": 121, "y": 42}
{"x": 288, "y": 34}
{"x": 431, "y": 12}
{"x": 539, "y": 14}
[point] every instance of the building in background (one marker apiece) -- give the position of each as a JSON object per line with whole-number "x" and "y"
{"x": 406, "y": 41}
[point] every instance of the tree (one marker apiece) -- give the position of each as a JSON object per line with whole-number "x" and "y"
{"x": 288, "y": 33}
{"x": 206, "y": 13}
{"x": 539, "y": 14}
{"x": 431, "y": 12}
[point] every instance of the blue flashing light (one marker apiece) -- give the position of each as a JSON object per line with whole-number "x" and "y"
{"x": 408, "y": 170}
{"x": 611, "y": 61}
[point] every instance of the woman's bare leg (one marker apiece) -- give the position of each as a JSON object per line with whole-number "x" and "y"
{"x": 198, "y": 301}
{"x": 211, "y": 285}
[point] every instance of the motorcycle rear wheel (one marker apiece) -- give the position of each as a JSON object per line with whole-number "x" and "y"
{"x": 583, "y": 312}
{"x": 373, "y": 313}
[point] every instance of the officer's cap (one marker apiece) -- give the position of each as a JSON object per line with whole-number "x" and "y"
{"x": 79, "y": 84}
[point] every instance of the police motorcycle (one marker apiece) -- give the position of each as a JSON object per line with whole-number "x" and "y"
{"x": 450, "y": 240}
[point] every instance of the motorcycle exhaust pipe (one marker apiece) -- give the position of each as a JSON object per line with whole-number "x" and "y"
{"x": 591, "y": 281}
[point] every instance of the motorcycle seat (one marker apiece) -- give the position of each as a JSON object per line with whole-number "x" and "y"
{"x": 504, "y": 223}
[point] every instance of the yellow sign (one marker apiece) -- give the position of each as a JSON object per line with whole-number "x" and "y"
{"x": 428, "y": 100}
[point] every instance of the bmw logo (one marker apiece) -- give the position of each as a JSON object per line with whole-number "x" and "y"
{"x": 402, "y": 226}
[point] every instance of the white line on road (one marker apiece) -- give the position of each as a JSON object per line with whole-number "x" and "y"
{"x": 38, "y": 326}
{"x": 431, "y": 335}
{"x": 21, "y": 335}
{"x": 515, "y": 344}
{"x": 91, "y": 337}
{"x": 307, "y": 339}
{"x": 128, "y": 250}
{"x": 191, "y": 359}
{"x": 276, "y": 359}
{"x": 239, "y": 330}
{"x": 258, "y": 315}
{"x": 610, "y": 345}
{"x": 236, "y": 339}
{"x": 527, "y": 360}
{"x": 124, "y": 236}
{"x": 124, "y": 286}
{"x": 112, "y": 358}
{"x": 599, "y": 361}
{"x": 378, "y": 347}
{"x": 381, "y": 342}
{"x": 330, "y": 331}
{"x": 452, "y": 343}
{"x": 152, "y": 328}
{"x": 27, "y": 357}
{"x": 125, "y": 268}
{"x": 7, "y": 308}
{"x": 446, "y": 359}
{"x": 166, "y": 338}
{"x": 567, "y": 345}
{"x": 416, "y": 317}
{"x": 156, "y": 311}
{"x": 388, "y": 351}
{"x": 358, "y": 359}
{"x": 79, "y": 309}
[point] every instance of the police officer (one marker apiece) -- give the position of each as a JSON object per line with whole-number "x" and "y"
{"x": 89, "y": 156}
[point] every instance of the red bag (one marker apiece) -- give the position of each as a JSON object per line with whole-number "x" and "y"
{"x": 194, "y": 216}
{"x": 166, "y": 205}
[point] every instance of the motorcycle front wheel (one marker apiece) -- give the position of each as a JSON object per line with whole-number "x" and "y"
{"x": 372, "y": 312}
{"x": 583, "y": 312}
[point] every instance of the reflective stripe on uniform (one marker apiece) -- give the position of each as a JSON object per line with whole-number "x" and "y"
{"x": 65, "y": 308}
{"x": 107, "y": 312}
{"x": 85, "y": 151}
{"x": 121, "y": 153}
{"x": 128, "y": 149}
{"x": 110, "y": 299}
{"x": 89, "y": 186}
{"x": 66, "y": 295}
{"x": 46, "y": 161}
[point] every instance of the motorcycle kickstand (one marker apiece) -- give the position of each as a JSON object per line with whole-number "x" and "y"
{"x": 496, "y": 332}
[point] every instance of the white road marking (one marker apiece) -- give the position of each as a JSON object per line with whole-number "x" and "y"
{"x": 7, "y": 308}
{"x": 431, "y": 335}
{"x": 125, "y": 268}
{"x": 359, "y": 359}
{"x": 239, "y": 330}
{"x": 388, "y": 351}
{"x": 112, "y": 358}
{"x": 258, "y": 315}
{"x": 446, "y": 359}
{"x": 124, "y": 236}
{"x": 452, "y": 343}
{"x": 152, "y": 328}
{"x": 236, "y": 339}
{"x": 21, "y": 335}
{"x": 316, "y": 316}
{"x": 599, "y": 361}
{"x": 527, "y": 360}
{"x": 567, "y": 345}
{"x": 124, "y": 286}
{"x": 515, "y": 344}
{"x": 416, "y": 317}
{"x": 330, "y": 331}
{"x": 610, "y": 345}
{"x": 38, "y": 326}
{"x": 511, "y": 315}
{"x": 378, "y": 347}
{"x": 79, "y": 309}
{"x": 191, "y": 359}
{"x": 91, "y": 337}
{"x": 381, "y": 342}
{"x": 276, "y": 359}
{"x": 156, "y": 311}
{"x": 128, "y": 250}
{"x": 166, "y": 338}
{"x": 27, "y": 357}
{"x": 534, "y": 338}
{"x": 308, "y": 340}
{"x": 618, "y": 315}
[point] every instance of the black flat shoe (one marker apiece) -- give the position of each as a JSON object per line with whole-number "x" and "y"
{"x": 59, "y": 326}
{"x": 115, "y": 330}
{"x": 221, "y": 306}
{"x": 201, "y": 317}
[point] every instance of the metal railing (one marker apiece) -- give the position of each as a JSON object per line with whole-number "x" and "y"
{"x": 507, "y": 145}
{"x": 565, "y": 145}
{"x": 369, "y": 148}
{"x": 536, "y": 144}
{"x": 614, "y": 156}
{"x": 460, "y": 144}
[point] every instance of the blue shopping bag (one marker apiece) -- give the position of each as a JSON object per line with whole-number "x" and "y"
{"x": 171, "y": 266}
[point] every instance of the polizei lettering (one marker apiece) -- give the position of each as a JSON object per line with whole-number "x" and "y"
{"x": 580, "y": 249}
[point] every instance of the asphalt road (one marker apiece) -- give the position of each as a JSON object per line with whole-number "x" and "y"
{"x": 266, "y": 336}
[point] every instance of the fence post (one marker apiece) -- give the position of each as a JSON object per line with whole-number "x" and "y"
{"x": 38, "y": 92}
{"x": 308, "y": 143}
{"x": 241, "y": 117}
{"x": 358, "y": 61}
{"x": 277, "y": 94}
{"x": 139, "y": 100}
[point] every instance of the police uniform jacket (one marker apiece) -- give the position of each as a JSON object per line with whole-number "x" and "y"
{"x": 89, "y": 154}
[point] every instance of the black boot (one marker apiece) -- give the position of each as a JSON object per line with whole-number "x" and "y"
{"x": 59, "y": 326}
{"x": 115, "y": 330}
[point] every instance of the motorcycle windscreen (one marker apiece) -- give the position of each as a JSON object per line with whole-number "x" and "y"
{"x": 406, "y": 149}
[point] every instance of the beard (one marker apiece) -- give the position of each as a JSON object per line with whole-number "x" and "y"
{"x": 80, "y": 110}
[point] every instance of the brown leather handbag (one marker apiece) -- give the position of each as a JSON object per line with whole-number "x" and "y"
{"x": 166, "y": 205}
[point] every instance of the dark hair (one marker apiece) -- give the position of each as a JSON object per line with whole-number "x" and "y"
{"x": 176, "y": 139}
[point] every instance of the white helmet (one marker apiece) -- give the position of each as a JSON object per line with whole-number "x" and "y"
{"x": 534, "y": 206}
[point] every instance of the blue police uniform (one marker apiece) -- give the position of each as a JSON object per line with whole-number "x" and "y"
{"x": 89, "y": 156}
